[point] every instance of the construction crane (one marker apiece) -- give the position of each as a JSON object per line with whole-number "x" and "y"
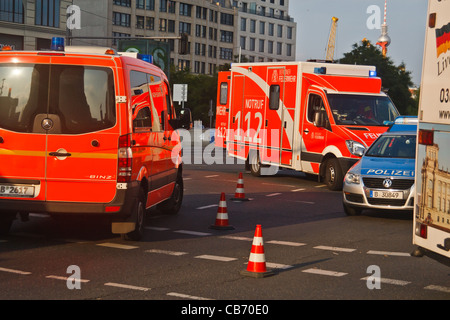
{"x": 332, "y": 40}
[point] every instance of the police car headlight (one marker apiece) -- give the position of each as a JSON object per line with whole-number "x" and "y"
{"x": 355, "y": 148}
{"x": 352, "y": 178}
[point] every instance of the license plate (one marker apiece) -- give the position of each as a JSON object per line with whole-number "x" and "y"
{"x": 386, "y": 194}
{"x": 16, "y": 191}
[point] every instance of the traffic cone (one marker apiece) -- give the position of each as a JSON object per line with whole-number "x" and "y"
{"x": 239, "y": 194}
{"x": 257, "y": 261}
{"x": 222, "y": 215}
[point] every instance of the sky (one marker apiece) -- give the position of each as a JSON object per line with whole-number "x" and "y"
{"x": 406, "y": 20}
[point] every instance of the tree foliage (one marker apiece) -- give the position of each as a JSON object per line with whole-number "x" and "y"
{"x": 202, "y": 92}
{"x": 395, "y": 79}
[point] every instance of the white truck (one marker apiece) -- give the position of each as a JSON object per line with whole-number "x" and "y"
{"x": 432, "y": 201}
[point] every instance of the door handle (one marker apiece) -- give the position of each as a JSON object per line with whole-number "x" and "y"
{"x": 60, "y": 154}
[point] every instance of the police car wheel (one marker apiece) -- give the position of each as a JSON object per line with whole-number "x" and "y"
{"x": 333, "y": 175}
{"x": 352, "y": 211}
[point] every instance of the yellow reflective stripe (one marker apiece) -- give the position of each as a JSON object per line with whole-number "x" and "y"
{"x": 94, "y": 155}
{"x": 5, "y": 152}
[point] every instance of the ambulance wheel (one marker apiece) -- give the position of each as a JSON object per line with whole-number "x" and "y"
{"x": 254, "y": 163}
{"x": 6, "y": 220}
{"x": 173, "y": 205}
{"x": 333, "y": 175}
{"x": 138, "y": 215}
{"x": 351, "y": 211}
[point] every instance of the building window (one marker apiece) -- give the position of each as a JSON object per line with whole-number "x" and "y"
{"x": 123, "y": 3}
{"x": 47, "y": 13}
{"x": 11, "y": 11}
{"x": 185, "y": 9}
{"x": 121, "y": 19}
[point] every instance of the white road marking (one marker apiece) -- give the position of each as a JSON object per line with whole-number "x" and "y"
{"x": 237, "y": 238}
{"x": 212, "y": 176}
{"x": 389, "y": 253}
{"x": 390, "y": 281}
{"x": 156, "y": 228}
{"x": 215, "y": 258}
{"x": 117, "y": 246}
{"x": 334, "y": 249}
{"x": 15, "y": 271}
{"x": 438, "y": 288}
{"x": 297, "y": 190}
{"x": 126, "y": 286}
{"x": 185, "y": 296}
{"x": 273, "y": 194}
{"x": 208, "y": 207}
{"x": 287, "y": 243}
{"x": 278, "y": 265}
{"x": 65, "y": 279}
{"x": 193, "y": 233}
{"x": 170, "y": 253}
{"x": 325, "y": 272}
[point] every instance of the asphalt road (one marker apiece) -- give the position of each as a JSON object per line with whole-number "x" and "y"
{"x": 314, "y": 249}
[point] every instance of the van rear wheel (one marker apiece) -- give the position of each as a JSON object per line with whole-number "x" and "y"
{"x": 138, "y": 216}
{"x": 6, "y": 220}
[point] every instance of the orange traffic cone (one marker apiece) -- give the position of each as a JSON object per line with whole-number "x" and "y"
{"x": 239, "y": 194}
{"x": 257, "y": 261}
{"x": 222, "y": 215}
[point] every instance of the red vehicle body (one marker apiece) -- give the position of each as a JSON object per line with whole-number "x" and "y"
{"x": 312, "y": 117}
{"x": 86, "y": 132}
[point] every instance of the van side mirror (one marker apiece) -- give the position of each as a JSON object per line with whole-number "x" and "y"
{"x": 183, "y": 121}
{"x": 319, "y": 119}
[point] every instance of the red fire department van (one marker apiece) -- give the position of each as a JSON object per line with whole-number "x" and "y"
{"x": 307, "y": 116}
{"x": 85, "y": 130}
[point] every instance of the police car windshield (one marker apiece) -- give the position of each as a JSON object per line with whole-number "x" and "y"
{"x": 394, "y": 146}
{"x": 354, "y": 109}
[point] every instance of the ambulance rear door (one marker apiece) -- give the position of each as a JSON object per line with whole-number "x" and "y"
{"x": 23, "y": 87}
{"x": 82, "y": 130}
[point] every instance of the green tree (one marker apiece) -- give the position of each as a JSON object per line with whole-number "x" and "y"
{"x": 396, "y": 80}
{"x": 202, "y": 89}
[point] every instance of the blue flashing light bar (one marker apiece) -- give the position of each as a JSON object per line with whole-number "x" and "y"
{"x": 57, "y": 44}
{"x": 322, "y": 70}
{"x": 145, "y": 57}
{"x": 372, "y": 74}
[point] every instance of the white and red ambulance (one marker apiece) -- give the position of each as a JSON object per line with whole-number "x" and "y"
{"x": 312, "y": 117}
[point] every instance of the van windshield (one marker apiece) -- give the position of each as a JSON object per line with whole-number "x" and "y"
{"x": 80, "y": 98}
{"x": 353, "y": 109}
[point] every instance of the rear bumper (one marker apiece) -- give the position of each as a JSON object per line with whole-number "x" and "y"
{"x": 120, "y": 206}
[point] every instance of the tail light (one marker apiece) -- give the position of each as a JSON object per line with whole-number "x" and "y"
{"x": 421, "y": 230}
{"x": 426, "y": 137}
{"x": 125, "y": 157}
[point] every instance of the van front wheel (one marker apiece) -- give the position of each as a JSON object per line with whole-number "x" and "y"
{"x": 333, "y": 174}
{"x": 173, "y": 204}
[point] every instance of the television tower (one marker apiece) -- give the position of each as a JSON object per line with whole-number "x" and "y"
{"x": 384, "y": 40}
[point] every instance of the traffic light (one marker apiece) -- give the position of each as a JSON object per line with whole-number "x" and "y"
{"x": 183, "y": 44}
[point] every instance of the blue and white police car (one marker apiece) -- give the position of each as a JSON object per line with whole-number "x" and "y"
{"x": 384, "y": 177}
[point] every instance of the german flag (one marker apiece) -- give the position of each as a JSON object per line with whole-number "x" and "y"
{"x": 443, "y": 39}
